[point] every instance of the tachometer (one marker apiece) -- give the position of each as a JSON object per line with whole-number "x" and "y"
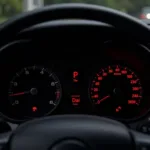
{"x": 34, "y": 91}
{"x": 116, "y": 91}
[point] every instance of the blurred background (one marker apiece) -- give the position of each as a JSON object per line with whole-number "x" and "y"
{"x": 136, "y": 8}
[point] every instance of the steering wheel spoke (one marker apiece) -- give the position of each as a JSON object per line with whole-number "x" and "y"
{"x": 4, "y": 138}
{"x": 142, "y": 141}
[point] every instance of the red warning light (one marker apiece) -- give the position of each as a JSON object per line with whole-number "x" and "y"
{"x": 118, "y": 109}
{"x": 75, "y": 76}
{"x": 34, "y": 108}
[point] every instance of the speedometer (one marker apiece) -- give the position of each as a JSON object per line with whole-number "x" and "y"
{"x": 34, "y": 91}
{"x": 116, "y": 91}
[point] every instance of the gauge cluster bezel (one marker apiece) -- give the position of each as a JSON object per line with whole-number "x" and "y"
{"x": 31, "y": 52}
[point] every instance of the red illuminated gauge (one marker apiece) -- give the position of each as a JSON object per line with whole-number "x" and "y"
{"x": 116, "y": 91}
{"x": 34, "y": 92}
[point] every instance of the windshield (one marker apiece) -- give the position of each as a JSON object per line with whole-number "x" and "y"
{"x": 137, "y": 8}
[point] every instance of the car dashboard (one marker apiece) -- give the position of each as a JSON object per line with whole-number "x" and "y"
{"x": 51, "y": 72}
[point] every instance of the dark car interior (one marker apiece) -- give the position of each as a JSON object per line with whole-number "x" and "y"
{"x": 74, "y": 77}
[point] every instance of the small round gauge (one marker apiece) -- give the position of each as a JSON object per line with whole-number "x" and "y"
{"x": 116, "y": 91}
{"x": 34, "y": 91}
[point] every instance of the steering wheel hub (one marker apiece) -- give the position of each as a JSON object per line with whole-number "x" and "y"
{"x": 73, "y": 144}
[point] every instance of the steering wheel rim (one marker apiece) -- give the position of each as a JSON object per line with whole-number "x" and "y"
{"x": 120, "y": 20}
{"x": 56, "y": 133}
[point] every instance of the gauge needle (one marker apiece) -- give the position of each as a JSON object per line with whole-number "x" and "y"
{"x": 17, "y": 94}
{"x": 103, "y": 99}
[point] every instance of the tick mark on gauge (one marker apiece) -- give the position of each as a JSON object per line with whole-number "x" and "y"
{"x": 97, "y": 74}
{"x": 17, "y": 74}
{"x": 42, "y": 71}
{"x": 50, "y": 75}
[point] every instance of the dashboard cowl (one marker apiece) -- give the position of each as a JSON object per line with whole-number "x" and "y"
{"x": 69, "y": 25}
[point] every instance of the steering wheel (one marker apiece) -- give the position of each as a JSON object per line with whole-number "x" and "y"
{"x": 75, "y": 132}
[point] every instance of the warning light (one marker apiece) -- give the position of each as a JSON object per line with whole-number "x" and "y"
{"x": 118, "y": 109}
{"x": 75, "y": 76}
{"x": 34, "y": 108}
{"x": 75, "y": 99}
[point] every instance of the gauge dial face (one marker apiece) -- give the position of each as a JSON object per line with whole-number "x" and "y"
{"x": 116, "y": 91}
{"x": 34, "y": 91}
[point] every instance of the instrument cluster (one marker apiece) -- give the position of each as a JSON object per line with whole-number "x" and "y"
{"x": 112, "y": 82}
